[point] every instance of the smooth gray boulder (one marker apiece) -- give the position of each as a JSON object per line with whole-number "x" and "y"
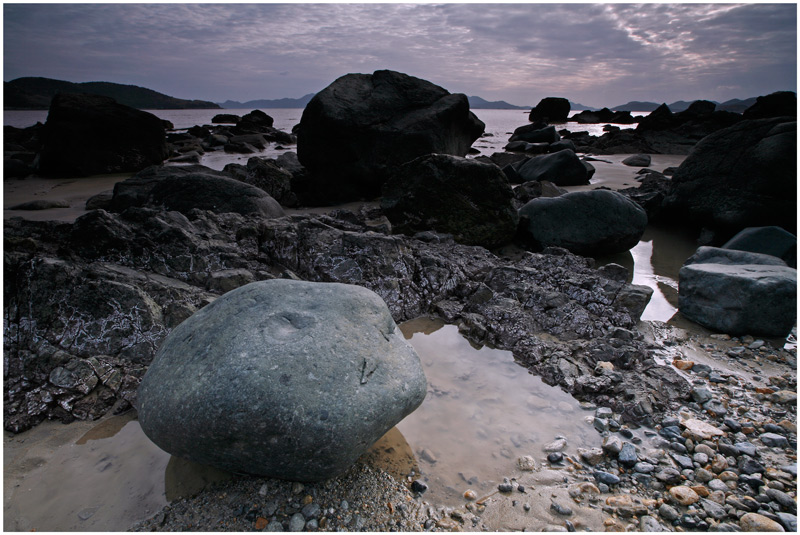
{"x": 562, "y": 168}
{"x": 585, "y": 222}
{"x": 738, "y": 299}
{"x": 281, "y": 378}
{"x": 637, "y": 160}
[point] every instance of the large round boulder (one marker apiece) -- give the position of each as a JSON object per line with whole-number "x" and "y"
{"x": 738, "y": 177}
{"x": 551, "y": 110}
{"x": 562, "y": 168}
{"x": 281, "y": 378}
{"x": 588, "y": 223}
{"x": 90, "y": 134}
{"x": 184, "y": 188}
{"x": 469, "y": 199}
{"x": 738, "y": 292}
{"x": 357, "y": 130}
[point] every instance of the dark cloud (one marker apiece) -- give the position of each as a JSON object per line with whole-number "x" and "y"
{"x": 597, "y": 54}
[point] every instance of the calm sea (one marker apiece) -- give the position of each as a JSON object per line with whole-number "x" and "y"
{"x": 499, "y": 126}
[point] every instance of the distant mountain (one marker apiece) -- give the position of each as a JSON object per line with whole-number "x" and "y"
{"x": 637, "y": 105}
{"x": 737, "y": 105}
{"x": 477, "y": 103}
{"x": 32, "y": 93}
{"x": 267, "y": 103}
{"x": 577, "y": 106}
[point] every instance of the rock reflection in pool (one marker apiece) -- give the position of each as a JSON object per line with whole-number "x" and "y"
{"x": 109, "y": 478}
{"x": 483, "y": 411}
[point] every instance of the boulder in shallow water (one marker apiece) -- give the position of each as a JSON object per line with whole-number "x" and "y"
{"x": 551, "y": 109}
{"x": 357, "y": 130}
{"x": 90, "y": 134}
{"x": 562, "y": 168}
{"x": 585, "y": 222}
{"x": 470, "y": 200}
{"x": 737, "y": 299}
{"x": 281, "y": 378}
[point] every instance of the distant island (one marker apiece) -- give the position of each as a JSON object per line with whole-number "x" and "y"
{"x": 33, "y": 93}
{"x": 734, "y": 105}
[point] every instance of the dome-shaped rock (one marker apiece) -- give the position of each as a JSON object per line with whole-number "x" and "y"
{"x": 281, "y": 378}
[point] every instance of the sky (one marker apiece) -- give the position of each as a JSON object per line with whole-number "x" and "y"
{"x": 602, "y": 54}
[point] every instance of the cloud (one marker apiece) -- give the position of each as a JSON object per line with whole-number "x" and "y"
{"x": 594, "y": 53}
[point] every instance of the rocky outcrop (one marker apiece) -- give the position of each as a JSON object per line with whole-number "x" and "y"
{"x": 266, "y": 174}
{"x": 470, "y": 200}
{"x": 225, "y": 118}
{"x": 778, "y": 104}
{"x": 186, "y": 188}
{"x": 562, "y": 168}
{"x": 535, "y": 133}
{"x": 589, "y": 223}
{"x": 88, "y": 134}
{"x": 305, "y": 380}
{"x": 354, "y": 132}
{"x": 111, "y": 286}
{"x": 738, "y": 292}
{"x": 739, "y": 177}
{"x": 551, "y": 110}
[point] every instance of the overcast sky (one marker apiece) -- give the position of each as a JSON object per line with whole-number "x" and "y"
{"x": 595, "y": 54}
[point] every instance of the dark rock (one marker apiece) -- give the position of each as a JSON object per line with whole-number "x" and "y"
{"x": 789, "y": 522}
{"x": 585, "y": 222}
{"x": 739, "y": 177}
{"x": 550, "y": 110}
{"x": 560, "y": 509}
{"x": 225, "y": 118}
{"x": 562, "y": 168}
{"x": 89, "y": 134}
{"x": 370, "y": 123}
{"x": 732, "y": 424}
{"x": 637, "y": 160}
{"x": 740, "y": 299}
{"x": 562, "y": 145}
{"x": 766, "y": 240}
{"x": 227, "y": 393}
{"x": 535, "y": 189}
{"x": 750, "y": 466}
{"x": 186, "y": 188}
{"x": 266, "y": 174}
{"x": 254, "y": 121}
{"x": 547, "y": 135}
{"x": 101, "y": 201}
{"x": 627, "y": 456}
{"x": 13, "y": 168}
{"x": 40, "y": 204}
{"x": 468, "y": 199}
{"x": 555, "y": 457}
{"x": 778, "y": 104}
{"x": 606, "y": 477}
{"x": 772, "y": 440}
{"x": 418, "y": 486}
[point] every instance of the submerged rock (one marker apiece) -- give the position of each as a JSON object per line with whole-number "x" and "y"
{"x": 281, "y": 378}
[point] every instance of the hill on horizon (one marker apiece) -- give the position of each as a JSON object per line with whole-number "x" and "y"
{"x": 35, "y": 93}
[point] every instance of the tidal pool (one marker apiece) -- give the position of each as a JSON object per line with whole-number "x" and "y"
{"x": 483, "y": 411}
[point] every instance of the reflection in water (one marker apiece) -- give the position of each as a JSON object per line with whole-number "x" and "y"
{"x": 110, "y": 478}
{"x": 482, "y": 412}
{"x": 655, "y": 262}
{"x": 392, "y": 454}
{"x": 184, "y": 478}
